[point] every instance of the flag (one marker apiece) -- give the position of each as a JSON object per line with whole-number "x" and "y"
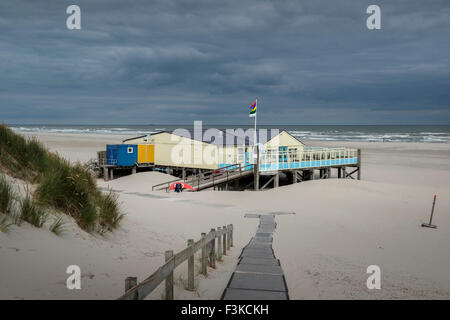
{"x": 253, "y": 109}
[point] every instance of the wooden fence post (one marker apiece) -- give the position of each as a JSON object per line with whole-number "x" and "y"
{"x": 204, "y": 269}
{"x": 228, "y": 237}
{"x": 131, "y": 282}
{"x": 169, "y": 279}
{"x": 224, "y": 235}
{"x": 231, "y": 235}
{"x": 219, "y": 244}
{"x": 191, "y": 268}
{"x": 224, "y": 228}
{"x": 212, "y": 254}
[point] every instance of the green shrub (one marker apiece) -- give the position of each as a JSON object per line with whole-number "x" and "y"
{"x": 31, "y": 212}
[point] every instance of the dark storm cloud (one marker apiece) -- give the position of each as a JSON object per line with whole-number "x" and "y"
{"x": 177, "y": 61}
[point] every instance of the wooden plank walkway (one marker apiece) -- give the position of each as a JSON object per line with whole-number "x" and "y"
{"x": 258, "y": 275}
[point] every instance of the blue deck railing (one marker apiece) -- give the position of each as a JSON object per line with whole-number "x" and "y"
{"x": 306, "y": 164}
{"x": 312, "y": 157}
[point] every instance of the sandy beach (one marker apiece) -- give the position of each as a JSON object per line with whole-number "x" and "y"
{"x": 339, "y": 228}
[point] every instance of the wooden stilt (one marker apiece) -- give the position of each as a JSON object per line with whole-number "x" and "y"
{"x": 105, "y": 173}
{"x": 359, "y": 164}
{"x": 256, "y": 170}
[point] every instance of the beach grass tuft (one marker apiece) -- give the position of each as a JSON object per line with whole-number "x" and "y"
{"x": 58, "y": 226}
{"x": 110, "y": 214}
{"x": 32, "y": 212}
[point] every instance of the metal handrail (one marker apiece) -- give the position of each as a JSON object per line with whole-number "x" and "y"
{"x": 239, "y": 168}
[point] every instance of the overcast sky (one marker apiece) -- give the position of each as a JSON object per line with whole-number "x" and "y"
{"x": 164, "y": 62}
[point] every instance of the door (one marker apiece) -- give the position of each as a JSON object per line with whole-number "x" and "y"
{"x": 151, "y": 153}
{"x": 112, "y": 154}
{"x": 146, "y": 153}
{"x": 142, "y": 153}
{"x": 282, "y": 154}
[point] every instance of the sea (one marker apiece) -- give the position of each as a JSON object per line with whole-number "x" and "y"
{"x": 375, "y": 133}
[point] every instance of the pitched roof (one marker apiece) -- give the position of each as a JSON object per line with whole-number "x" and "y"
{"x": 225, "y": 137}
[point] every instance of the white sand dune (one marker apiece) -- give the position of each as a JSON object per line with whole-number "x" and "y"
{"x": 34, "y": 261}
{"x": 339, "y": 228}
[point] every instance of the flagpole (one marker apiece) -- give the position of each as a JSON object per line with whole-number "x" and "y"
{"x": 256, "y": 114}
{"x": 255, "y": 136}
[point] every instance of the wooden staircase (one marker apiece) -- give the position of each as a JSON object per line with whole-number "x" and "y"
{"x": 212, "y": 178}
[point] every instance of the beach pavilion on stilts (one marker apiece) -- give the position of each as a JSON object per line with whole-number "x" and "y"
{"x": 237, "y": 159}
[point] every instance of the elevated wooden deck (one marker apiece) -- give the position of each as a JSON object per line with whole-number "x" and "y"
{"x": 300, "y": 166}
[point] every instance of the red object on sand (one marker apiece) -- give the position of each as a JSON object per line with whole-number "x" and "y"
{"x": 183, "y": 186}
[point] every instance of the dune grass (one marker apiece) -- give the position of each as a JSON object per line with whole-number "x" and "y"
{"x": 5, "y": 225}
{"x": 67, "y": 187}
{"x": 71, "y": 189}
{"x": 6, "y": 195}
{"x": 110, "y": 214}
{"x": 32, "y": 212}
{"x": 58, "y": 226}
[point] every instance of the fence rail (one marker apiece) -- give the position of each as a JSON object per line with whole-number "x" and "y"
{"x": 207, "y": 245}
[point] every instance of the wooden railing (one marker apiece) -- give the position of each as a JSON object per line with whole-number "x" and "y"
{"x": 207, "y": 245}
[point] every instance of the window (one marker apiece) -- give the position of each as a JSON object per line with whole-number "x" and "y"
{"x": 241, "y": 154}
{"x": 293, "y": 155}
{"x": 130, "y": 150}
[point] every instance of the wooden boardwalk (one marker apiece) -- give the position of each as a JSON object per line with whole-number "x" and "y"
{"x": 258, "y": 275}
